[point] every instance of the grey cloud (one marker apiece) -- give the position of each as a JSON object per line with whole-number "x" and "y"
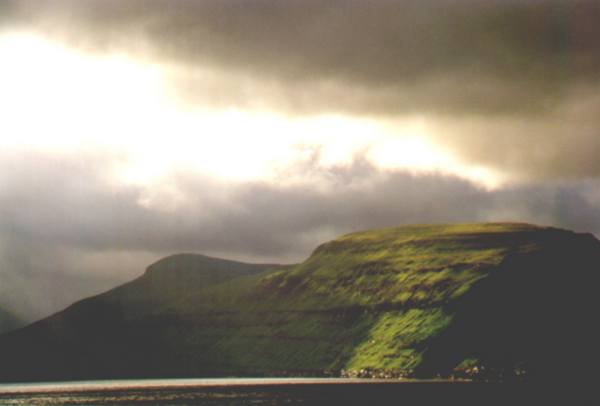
{"x": 38, "y": 278}
{"x": 508, "y": 84}
{"x": 66, "y": 233}
{"x": 68, "y": 202}
{"x": 563, "y": 146}
{"x": 386, "y": 56}
{"x": 72, "y": 206}
{"x": 568, "y": 205}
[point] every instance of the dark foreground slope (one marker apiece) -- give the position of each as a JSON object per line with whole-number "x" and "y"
{"x": 504, "y": 301}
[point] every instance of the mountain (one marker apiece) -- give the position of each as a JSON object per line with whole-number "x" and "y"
{"x": 8, "y": 321}
{"x": 489, "y": 301}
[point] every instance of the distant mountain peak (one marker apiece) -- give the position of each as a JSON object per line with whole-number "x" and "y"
{"x": 199, "y": 262}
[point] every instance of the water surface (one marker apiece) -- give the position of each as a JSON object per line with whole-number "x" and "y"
{"x": 242, "y": 391}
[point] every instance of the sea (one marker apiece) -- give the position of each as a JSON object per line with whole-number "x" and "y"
{"x": 256, "y": 391}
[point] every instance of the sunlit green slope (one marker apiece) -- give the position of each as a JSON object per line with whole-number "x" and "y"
{"x": 500, "y": 301}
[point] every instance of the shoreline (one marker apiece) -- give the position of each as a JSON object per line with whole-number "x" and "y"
{"x": 202, "y": 383}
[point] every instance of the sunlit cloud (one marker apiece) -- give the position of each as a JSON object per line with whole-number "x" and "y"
{"x": 256, "y": 130}
{"x": 56, "y": 99}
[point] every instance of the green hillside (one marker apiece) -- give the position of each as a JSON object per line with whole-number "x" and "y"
{"x": 493, "y": 301}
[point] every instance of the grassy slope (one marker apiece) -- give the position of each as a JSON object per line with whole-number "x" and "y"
{"x": 423, "y": 300}
{"x": 400, "y": 284}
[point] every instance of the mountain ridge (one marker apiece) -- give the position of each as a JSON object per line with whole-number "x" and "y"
{"x": 403, "y": 301}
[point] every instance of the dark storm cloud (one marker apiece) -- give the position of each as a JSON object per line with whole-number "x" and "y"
{"x": 512, "y": 84}
{"x": 443, "y": 56}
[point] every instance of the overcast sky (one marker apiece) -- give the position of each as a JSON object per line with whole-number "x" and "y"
{"x": 256, "y": 129}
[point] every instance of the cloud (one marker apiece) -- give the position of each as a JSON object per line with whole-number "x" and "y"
{"x": 66, "y": 227}
{"x": 511, "y": 85}
{"x": 38, "y": 278}
{"x": 69, "y": 201}
{"x": 441, "y": 56}
{"x": 563, "y": 146}
{"x": 503, "y": 84}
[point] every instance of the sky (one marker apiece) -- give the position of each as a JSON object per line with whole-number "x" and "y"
{"x": 258, "y": 129}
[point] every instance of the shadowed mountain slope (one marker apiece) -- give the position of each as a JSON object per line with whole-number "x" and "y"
{"x": 498, "y": 301}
